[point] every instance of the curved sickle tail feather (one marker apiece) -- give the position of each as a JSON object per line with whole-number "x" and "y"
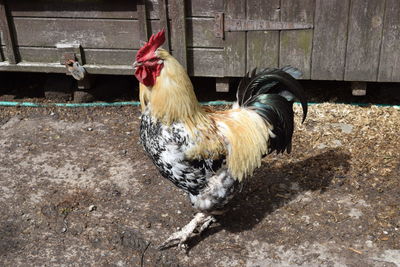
{"x": 271, "y": 93}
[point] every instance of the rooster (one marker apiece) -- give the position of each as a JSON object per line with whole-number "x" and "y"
{"x": 210, "y": 153}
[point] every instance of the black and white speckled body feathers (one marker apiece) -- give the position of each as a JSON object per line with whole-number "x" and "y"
{"x": 207, "y": 181}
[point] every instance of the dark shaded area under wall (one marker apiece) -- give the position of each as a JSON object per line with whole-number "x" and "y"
{"x": 20, "y": 86}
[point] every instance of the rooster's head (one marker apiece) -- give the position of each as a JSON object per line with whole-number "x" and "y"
{"x": 149, "y": 61}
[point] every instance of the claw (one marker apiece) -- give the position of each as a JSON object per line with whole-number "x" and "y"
{"x": 206, "y": 224}
{"x": 184, "y": 246}
{"x": 176, "y": 239}
{"x": 168, "y": 244}
{"x": 179, "y": 238}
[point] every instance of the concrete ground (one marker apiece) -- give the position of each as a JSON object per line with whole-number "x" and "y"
{"x": 76, "y": 189}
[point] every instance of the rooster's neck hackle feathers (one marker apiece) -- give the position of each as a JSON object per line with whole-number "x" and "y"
{"x": 172, "y": 98}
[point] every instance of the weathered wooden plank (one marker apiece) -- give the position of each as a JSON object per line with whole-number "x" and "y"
{"x": 7, "y": 34}
{"x": 206, "y": 62}
{"x": 178, "y": 31}
{"x": 164, "y": 22}
{"x": 92, "y": 56}
{"x": 142, "y": 21}
{"x": 115, "y": 34}
{"x": 200, "y": 33}
{"x": 296, "y": 45}
{"x": 365, "y": 34}
{"x": 110, "y": 57}
{"x": 330, "y": 37}
{"x": 389, "y": 67}
{"x": 204, "y": 8}
{"x": 57, "y": 68}
{"x": 47, "y": 32}
{"x": 235, "y": 42}
{"x": 117, "y": 9}
{"x": 263, "y": 47}
{"x": 201, "y": 62}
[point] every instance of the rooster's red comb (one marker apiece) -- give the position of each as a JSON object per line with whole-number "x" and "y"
{"x": 148, "y": 49}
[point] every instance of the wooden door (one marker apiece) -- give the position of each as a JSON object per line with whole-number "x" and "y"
{"x": 276, "y": 33}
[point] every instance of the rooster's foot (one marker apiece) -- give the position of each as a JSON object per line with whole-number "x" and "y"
{"x": 179, "y": 238}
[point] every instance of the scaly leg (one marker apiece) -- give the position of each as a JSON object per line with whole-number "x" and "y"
{"x": 179, "y": 238}
{"x": 209, "y": 220}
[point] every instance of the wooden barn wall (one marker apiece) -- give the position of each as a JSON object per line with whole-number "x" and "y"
{"x": 235, "y": 42}
{"x": 204, "y": 55}
{"x": 247, "y": 50}
{"x": 389, "y": 64}
{"x": 296, "y": 46}
{"x": 364, "y": 42}
{"x": 351, "y": 39}
{"x": 356, "y": 40}
{"x": 263, "y": 46}
{"x": 7, "y": 48}
{"x": 330, "y": 39}
{"x": 109, "y": 32}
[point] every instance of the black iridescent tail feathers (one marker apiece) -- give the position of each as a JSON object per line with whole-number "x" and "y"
{"x": 271, "y": 93}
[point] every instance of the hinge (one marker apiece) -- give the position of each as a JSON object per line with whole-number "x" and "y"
{"x": 223, "y": 24}
{"x": 219, "y": 25}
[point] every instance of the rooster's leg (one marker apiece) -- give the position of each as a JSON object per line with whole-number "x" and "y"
{"x": 200, "y": 220}
{"x": 209, "y": 220}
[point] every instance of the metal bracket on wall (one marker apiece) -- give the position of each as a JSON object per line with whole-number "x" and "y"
{"x": 75, "y": 69}
{"x": 71, "y": 57}
{"x": 68, "y": 54}
{"x": 223, "y": 24}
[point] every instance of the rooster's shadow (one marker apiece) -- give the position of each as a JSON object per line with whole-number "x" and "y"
{"x": 273, "y": 187}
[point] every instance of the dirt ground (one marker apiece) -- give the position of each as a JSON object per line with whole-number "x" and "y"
{"x": 76, "y": 189}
